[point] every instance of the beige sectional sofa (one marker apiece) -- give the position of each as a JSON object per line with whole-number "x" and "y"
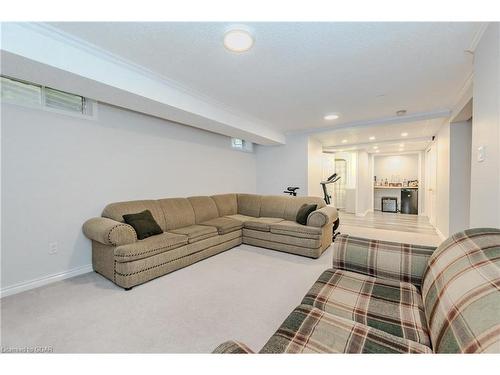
{"x": 195, "y": 228}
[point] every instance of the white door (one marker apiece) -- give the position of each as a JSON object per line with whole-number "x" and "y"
{"x": 430, "y": 183}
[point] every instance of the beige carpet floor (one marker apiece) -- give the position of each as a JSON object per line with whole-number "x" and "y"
{"x": 244, "y": 294}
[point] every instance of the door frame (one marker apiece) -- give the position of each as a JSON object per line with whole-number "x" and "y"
{"x": 431, "y": 182}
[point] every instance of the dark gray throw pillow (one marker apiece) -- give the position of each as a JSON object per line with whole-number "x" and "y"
{"x": 304, "y": 212}
{"x": 144, "y": 224}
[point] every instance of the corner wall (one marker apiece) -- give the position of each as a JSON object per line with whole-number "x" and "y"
{"x": 59, "y": 170}
{"x": 283, "y": 165}
{"x": 485, "y": 175}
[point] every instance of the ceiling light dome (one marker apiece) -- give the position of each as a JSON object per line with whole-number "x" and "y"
{"x": 238, "y": 40}
{"x": 331, "y": 116}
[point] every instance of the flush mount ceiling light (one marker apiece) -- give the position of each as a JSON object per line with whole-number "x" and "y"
{"x": 375, "y": 147}
{"x": 331, "y": 116}
{"x": 238, "y": 40}
{"x": 377, "y": 151}
{"x": 344, "y": 141}
{"x": 404, "y": 134}
{"x": 372, "y": 138}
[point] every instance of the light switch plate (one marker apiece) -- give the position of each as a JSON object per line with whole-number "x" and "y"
{"x": 481, "y": 154}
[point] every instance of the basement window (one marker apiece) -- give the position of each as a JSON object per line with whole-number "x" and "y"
{"x": 29, "y": 94}
{"x": 241, "y": 145}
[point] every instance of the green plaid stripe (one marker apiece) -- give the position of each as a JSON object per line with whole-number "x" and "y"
{"x": 390, "y": 260}
{"x": 232, "y": 347}
{"x": 461, "y": 293}
{"x": 391, "y": 306}
{"x": 311, "y": 330}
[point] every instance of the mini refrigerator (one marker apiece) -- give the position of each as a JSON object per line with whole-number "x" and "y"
{"x": 409, "y": 201}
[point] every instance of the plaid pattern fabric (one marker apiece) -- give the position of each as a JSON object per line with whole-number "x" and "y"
{"x": 311, "y": 330}
{"x": 391, "y": 306}
{"x": 390, "y": 260}
{"x": 232, "y": 347}
{"x": 461, "y": 293}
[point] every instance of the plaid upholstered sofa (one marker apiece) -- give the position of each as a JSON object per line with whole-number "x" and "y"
{"x": 195, "y": 228}
{"x": 383, "y": 297}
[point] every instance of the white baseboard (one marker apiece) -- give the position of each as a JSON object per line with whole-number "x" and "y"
{"x": 44, "y": 280}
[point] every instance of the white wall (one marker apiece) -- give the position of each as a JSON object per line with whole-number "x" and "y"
{"x": 443, "y": 180}
{"x": 299, "y": 162}
{"x": 282, "y": 166}
{"x": 460, "y": 171}
{"x": 364, "y": 184}
{"x": 485, "y": 181}
{"x": 314, "y": 168}
{"x": 58, "y": 171}
{"x": 404, "y": 166}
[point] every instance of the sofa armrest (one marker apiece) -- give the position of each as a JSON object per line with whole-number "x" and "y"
{"x": 109, "y": 232}
{"x": 232, "y": 347}
{"x": 322, "y": 217}
{"x": 389, "y": 260}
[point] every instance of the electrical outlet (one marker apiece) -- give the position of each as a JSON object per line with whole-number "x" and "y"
{"x": 52, "y": 248}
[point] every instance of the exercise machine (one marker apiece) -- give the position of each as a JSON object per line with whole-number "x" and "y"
{"x": 291, "y": 190}
{"x": 328, "y": 198}
{"x": 330, "y": 180}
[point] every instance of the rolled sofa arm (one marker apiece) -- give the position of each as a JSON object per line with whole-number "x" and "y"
{"x": 388, "y": 260}
{"x": 109, "y": 232}
{"x": 323, "y": 216}
{"x": 232, "y": 347}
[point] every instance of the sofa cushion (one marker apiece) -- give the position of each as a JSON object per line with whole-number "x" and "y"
{"x": 293, "y": 205}
{"x": 116, "y": 210}
{"x": 292, "y": 228}
{"x": 461, "y": 292}
{"x": 303, "y": 213}
{"x": 311, "y": 330}
{"x": 312, "y": 243}
{"x": 150, "y": 246}
{"x": 178, "y": 212}
{"x": 143, "y": 223}
{"x": 261, "y": 223}
{"x": 224, "y": 224}
{"x": 273, "y": 206}
{"x": 196, "y": 232}
{"x": 204, "y": 208}
{"x": 391, "y": 306}
{"x": 227, "y": 204}
{"x": 388, "y": 260}
{"x": 240, "y": 217}
{"x": 249, "y": 204}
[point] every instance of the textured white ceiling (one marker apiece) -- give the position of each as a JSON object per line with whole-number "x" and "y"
{"x": 297, "y": 72}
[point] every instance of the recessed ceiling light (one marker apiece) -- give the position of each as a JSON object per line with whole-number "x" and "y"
{"x": 401, "y": 149}
{"x": 344, "y": 141}
{"x": 238, "y": 40}
{"x": 401, "y": 145}
{"x": 375, "y": 147}
{"x": 377, "y": 151}
{"x": 372, "y": 138}
{"x": 404, "y": 134}
{"x": 331, "y": 116}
